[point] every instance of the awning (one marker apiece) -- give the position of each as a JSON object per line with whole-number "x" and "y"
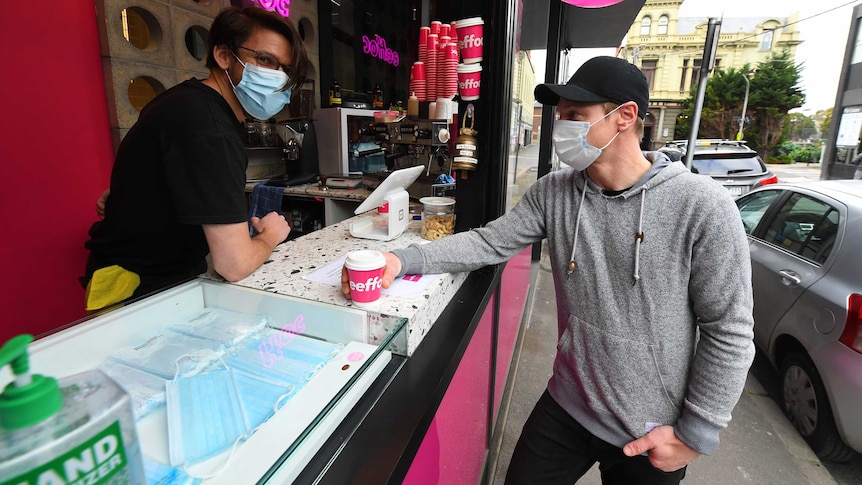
{"x": 581, "y": 27}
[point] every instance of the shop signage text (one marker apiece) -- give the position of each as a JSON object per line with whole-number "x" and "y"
{"x": 282, "y": 7}
{"x": 377, "y": 48}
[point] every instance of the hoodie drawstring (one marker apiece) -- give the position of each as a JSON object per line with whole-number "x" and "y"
{"x": 639, "y": 237}
{"x": 572, "y": 265}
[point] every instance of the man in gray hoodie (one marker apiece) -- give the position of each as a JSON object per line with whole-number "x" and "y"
{"x": 653, "y": 287}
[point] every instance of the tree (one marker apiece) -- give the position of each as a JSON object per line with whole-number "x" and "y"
{"x": 722, "y": 106}
{"x": 823, "y": 117}
{"x": 723, "y": 100}
{"x": 798, "y": 126}
{"x": 774, "y": 91}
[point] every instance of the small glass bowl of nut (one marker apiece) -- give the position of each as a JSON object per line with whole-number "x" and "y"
{"x": 438, "y": 217}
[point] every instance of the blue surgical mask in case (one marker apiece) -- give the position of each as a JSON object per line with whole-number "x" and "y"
{"x": 261, "y": 398}
{"x": 225, "y": 326}
{"x": 205, "y": 416}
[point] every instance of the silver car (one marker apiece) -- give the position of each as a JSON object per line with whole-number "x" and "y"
{"x": 731, "y": 163}
{"x": 807, "y": 278}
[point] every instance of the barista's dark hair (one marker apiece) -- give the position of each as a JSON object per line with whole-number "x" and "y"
{"x": 234, "y": 25}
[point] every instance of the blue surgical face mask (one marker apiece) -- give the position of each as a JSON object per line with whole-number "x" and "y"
{"x": 261, "y": 398}
{"x": 205, "y": 416}
{"x": 259, "y": 91}
{"x": 571, "y": 145}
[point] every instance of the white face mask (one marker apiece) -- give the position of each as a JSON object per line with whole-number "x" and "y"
{"x": 570, "y": 142}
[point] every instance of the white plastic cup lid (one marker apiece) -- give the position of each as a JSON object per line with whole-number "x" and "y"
{"x": 365, "y": 260}
{"x": 468, "y": 22}
{"x": 465, "y": 68}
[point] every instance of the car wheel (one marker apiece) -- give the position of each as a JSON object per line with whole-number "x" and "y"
{"x": 807, "y": 406}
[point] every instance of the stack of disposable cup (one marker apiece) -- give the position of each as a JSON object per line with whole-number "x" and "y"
{"x": 453, "y": 33}
{"x": 445, "y": 30}
{"x": 417, "y": 81}
{"x": 431, "y": 66}
{"x": 423, "y": 58}
{"x": 449, "y": 71}
{"x": 435, "y": 27}
{"x": 442, "y": 74}
{"x": 423, "y": 43}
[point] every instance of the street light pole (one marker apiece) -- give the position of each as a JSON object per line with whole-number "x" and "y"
{"x": 518, "y": 140}
{"x": 744, "y": 106}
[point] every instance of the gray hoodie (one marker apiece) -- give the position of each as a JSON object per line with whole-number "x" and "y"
{"x": 655, "y": 322}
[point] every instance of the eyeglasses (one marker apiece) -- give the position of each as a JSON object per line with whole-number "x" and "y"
{"x": 267, "y": 60}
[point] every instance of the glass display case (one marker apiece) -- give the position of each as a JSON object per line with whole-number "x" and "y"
{"x": 277, "y": 450}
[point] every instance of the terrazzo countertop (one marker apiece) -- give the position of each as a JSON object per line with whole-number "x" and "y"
{"x": 283, "y": 274}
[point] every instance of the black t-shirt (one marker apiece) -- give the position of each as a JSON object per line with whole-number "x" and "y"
{"x": 180, "y": 166}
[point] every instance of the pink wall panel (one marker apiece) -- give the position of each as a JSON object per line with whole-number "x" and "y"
{"x": 56, "y": 156}
{"x": 456, "y": 442}
{"x": 513, "y": 298}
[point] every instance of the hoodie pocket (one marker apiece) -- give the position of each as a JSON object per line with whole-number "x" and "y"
{"x": 615, "y": 375}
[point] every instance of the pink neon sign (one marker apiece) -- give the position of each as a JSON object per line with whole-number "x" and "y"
{"x": 377, "y": 48}
{"x": 282, "y": 7}
{"x": 278, "y": 341}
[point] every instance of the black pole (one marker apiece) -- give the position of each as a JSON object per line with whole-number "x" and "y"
{"x": 552, "y": 66}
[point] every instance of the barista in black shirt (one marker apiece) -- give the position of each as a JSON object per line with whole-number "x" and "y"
{"x": 178, "y": 183}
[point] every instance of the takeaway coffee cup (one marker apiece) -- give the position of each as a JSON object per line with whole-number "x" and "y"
{"x": 470, "y": 39}
{"x": 365, "y": 275}
{"x": 469, "y": 77}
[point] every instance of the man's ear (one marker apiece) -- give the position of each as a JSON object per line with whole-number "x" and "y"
{"x": 628, "y": 114}
{"x": 222, "y": 56}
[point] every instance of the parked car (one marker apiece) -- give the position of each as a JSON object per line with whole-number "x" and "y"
{"x": 732, "y": 163}
{"x": 807, "y": 280}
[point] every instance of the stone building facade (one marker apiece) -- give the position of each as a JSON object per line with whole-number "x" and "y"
{"x": 669, "y": 50}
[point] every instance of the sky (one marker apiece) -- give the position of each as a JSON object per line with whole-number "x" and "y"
{"x": 823, "y": 26}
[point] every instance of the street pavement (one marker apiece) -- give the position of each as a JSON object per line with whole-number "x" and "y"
{"x": 760, "y": 446}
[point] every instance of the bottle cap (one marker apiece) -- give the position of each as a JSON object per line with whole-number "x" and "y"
{"x": 31, "y": 399}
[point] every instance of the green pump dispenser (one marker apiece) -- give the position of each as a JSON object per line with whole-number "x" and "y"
{"x": 30, "y": 399}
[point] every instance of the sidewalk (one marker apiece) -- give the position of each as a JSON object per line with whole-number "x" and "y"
{"x": 760, "y": 446}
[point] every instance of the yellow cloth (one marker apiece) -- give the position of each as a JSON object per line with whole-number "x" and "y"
{"x": 109, "y": 285}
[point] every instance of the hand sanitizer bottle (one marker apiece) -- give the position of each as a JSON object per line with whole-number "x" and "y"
{"x": 79, "y": 429}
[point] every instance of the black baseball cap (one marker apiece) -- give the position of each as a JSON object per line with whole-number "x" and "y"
{"x": 599, "y": 80}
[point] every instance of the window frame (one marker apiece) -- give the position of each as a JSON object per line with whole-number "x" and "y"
{"x": 646, "y": 23}
{"x": 663, "y": 22}
{"x": 802, "y": 247}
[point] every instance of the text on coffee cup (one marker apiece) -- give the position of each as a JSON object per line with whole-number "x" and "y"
{"x": 370, "y": 284}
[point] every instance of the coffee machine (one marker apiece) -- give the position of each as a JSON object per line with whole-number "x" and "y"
{"x": 354, "y": 141}
{"x": 414, "y": 142}
{"x": 280, "y": 153}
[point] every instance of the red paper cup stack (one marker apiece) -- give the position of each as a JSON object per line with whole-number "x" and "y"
{"x": 431, "y": 65}
{"x": 435, "y": 27}
{"x": 442, "y": 72}
{"x": 450, "y": 71}
{"x": 417, "y": 81}
{"x": 423, "y": 43}
{"x": 444, "y": 30}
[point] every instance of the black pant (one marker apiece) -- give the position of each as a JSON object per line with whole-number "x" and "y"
{"x": 555, "y": 449}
